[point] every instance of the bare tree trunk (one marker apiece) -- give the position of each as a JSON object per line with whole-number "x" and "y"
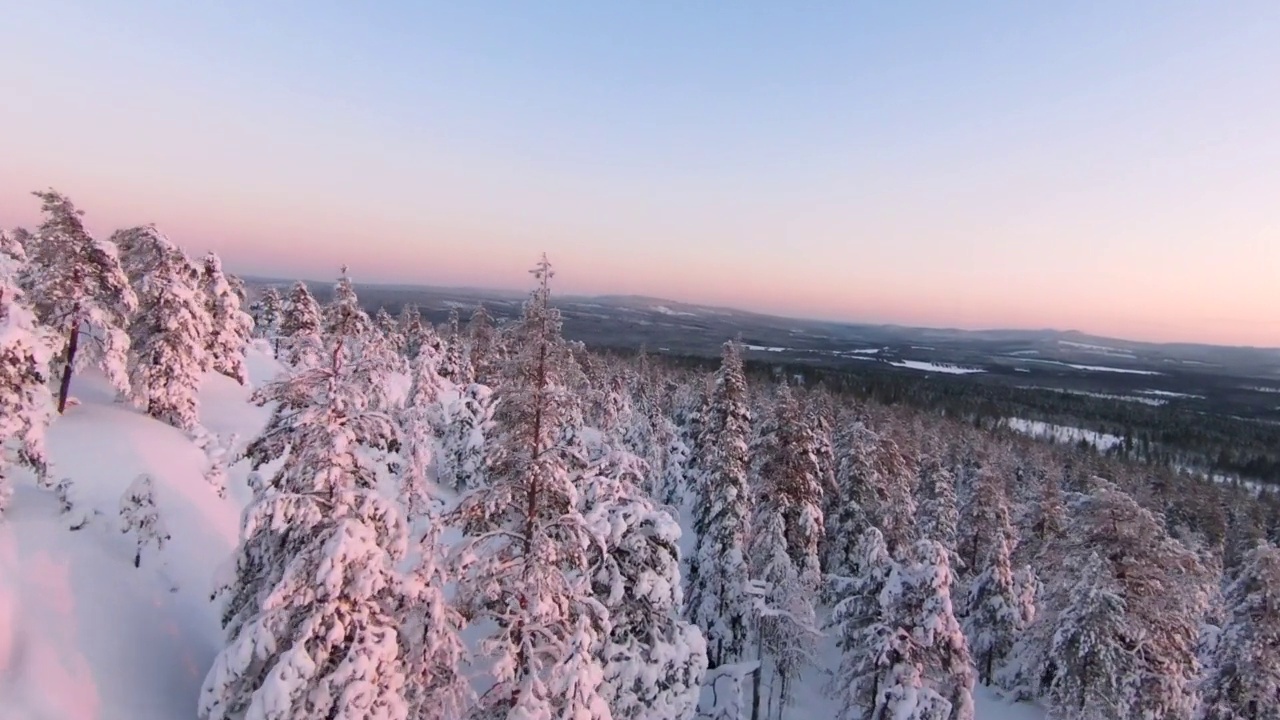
{"x": 65, "y": 386}
{"x": 755, "y": 681}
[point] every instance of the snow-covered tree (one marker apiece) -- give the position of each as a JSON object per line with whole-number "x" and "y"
{"x": 231, "y": 326}
{"x": 267, "y": 312}
{"x": 78, "y": 290}
{"x": 318, "y": 553}
{"x": 390, "y": 330}
{"x": 454, "y": 365}
{"x": 1091, "y": 650}
{"x": 864, "y": 627}
{"x": 1243, "y": 682}
{"x": 468, "y": 425}
{"x": 993, "y": 617}
{"x": 874, "y": 483}
{"x": 430, "y": 631}
{"x": 139, "y": 515}
{"x": 483, "y": 349}
{"x": 719, "y": 601}
{"x": 169, "y": 333}
{"x": 25, "y": 404}
{"x": 344, "y": 317}
{"x": 300, "y": 327}
{"x": 791, "y": 478}
{"x": 523, "y": 563}
{"x": 785, "y": 618}
{"x": 654, "y": 660}
{"x": 421, "y": 423}
{"x": 931, "y": 675}
{"x": 268, "y": 317}
{"x": 938, "y": 510}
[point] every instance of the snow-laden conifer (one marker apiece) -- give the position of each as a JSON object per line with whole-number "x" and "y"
{"x": 1243, "y": 682}
{"x": 467, "y": 426}
{"x": 318, "y": 553}
{"x": 454, "y": 365}
{"x": 523, "y": 564}
{"x": 169, "y": 335}
{"x": 654, "y": 660}
{"x": 300, "y": 328}
{"x": 267, "y": 313}
{"x": 140, "y": 516}
{"x": 864, "y": 627}
{"x": 25, "y": 404}
{"x": 1093, "y": 672}
{"x": 993, "y": 617}
{"x": 718, "y": 596}
{"x": 79, "y": 291}
{"x": 436, "y": 688}
{"x": 231, "y": 326}
{"x": 483, "y": 349}
{"x": 421, "y": 424}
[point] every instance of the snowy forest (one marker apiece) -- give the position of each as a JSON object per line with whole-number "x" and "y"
{"x": 488, "y": 520}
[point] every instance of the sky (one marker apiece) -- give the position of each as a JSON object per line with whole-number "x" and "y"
{"x": 1100, "y": 166}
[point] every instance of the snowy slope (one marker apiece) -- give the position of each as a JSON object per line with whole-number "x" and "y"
{"x": 85, "y": 635}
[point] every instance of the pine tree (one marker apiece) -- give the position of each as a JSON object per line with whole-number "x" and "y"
{"x": 390, "y": 330}
{"x": 410, "y": 327}
{"x": 430, "y": 632}
{"x": 25, "y": 405}
{"x": 139, "y": 514}
{"x": 77, "y": 288}
{"x": 718, "y": 596}
{"x": 300, "y": 326}
{"x": 995, "y": 613}
{"x": 168, "y": 334}
{"x": 319, "y": 550}
{"x": 521, "y": 562}
{"x": 1091, "y": 649}
{"x": 785, "y": 615}
{"x": 1243, "y": 682}
{"x": 231, "y": 326}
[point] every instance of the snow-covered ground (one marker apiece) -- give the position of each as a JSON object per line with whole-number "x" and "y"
{"x": 1094, "y": 368}
{"x": 84, "y": 635}
{"x": 935, "y": 367}
{"x": 1061, "y": 433}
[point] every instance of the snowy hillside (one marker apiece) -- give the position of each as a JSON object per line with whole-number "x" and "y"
{"x": 86, "y": 636}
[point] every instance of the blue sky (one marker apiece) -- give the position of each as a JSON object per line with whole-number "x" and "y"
{"x": 1111, "y": 167}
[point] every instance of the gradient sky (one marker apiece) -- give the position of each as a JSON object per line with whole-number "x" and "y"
{"x": 1112, "y": 167}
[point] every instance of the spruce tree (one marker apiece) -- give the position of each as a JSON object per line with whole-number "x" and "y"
{"x": 300, "y": 327}
{"x": 139, "y": 515}
{"x": 654, "y": 660}
{"x": 421, "y": 423}
{"x": 231, "y": 326}
{"x": 169, "y": 333}
{"x": 483, "y": 347}
{"x": 319, "y": 550}
{"x": 78, "y": 290}
{"x": 430, "y": 630}
{"x": 1243, "y": 682}
{"x": 1091, "y": 649}
{"x": 522, "y": 561}
{"x": 454, "y": 365}
{"x": 718, "y": 595}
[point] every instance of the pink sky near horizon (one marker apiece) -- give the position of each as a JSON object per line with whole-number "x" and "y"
{"x": 973, "y": 169}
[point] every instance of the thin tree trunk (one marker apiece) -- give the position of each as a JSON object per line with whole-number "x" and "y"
{"x": 755, "y": 681}
{"x": 65, "y": 386}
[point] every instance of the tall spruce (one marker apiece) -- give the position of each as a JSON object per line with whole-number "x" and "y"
{"x": 719, "y": 597}
{"x": 318, "y": 552}
{"x": 231, "y": 327}
{"x": 300, "y": 328}
{"x": 522, "y": 563}
{"x": 1243, "y": 682}
{"x": 169, "y": 333}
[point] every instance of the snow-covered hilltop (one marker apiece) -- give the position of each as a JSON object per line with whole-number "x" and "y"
{"x": 271, "y": 508}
